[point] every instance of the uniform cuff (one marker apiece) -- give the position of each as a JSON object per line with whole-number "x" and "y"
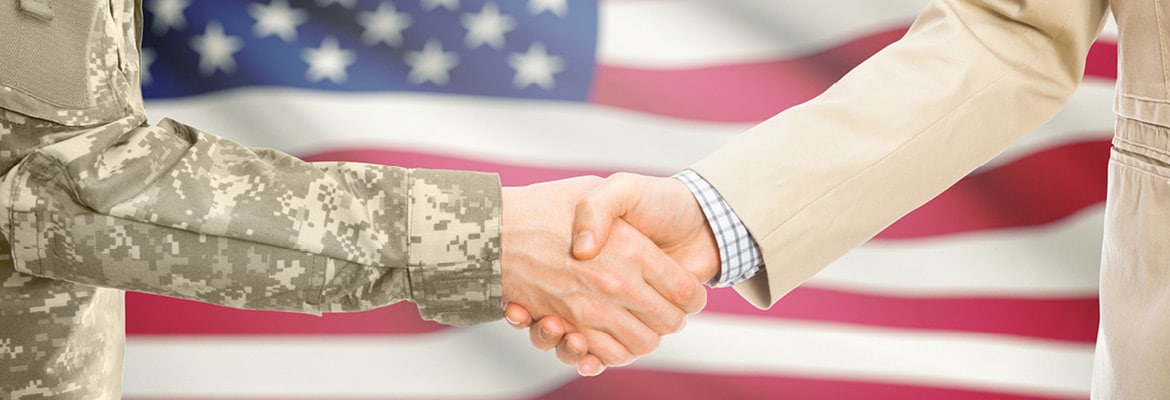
{"x": 454, "y": 246}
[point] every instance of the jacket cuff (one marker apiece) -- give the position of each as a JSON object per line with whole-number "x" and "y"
{"x": 454, "y": 246}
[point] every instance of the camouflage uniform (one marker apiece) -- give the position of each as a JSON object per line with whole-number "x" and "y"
{"x": 95, "y": 201}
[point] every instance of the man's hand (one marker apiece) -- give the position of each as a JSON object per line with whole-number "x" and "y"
{"x": 663, "y": 209}
{"x": 621, "y": 301}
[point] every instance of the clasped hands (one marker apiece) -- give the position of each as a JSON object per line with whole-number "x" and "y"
{"x": 602, "y": 269}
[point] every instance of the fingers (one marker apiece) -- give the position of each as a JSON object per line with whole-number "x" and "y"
{"x": 546, "y": 333}
{"x": 590, "y": 365}
{"x": 596, "y": 212}
{"x": 573, "y": 348}
{"x": 672, "y": 282}
{"x": 607, "y": 350}
{"x": 517, "y": 316}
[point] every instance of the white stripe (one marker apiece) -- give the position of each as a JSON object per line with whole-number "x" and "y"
{"x": 492, "y": 361}
{"x": 698, "y": 33}
{"x": 701, "y": 33}
{"x": 1057, "y": 259}
{"x": 1087, "y": 116}
{"x": 522, "y": 132}
{"x": 1109, "y": 32}
{"x": 766, "y": 346}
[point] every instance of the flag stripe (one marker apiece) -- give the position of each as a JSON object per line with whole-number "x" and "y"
{"x": 696, "y": 33}
{"x": 560, "y": 135}
{"x": 644, "y": 384}
{"x": 686, "y": 34}
{"x": 417, "y": 365}
{"x": 744, "y": 92}
{"x": 1050, "y": 261}
{"x": 635, "y": 383}
{"x": 1037, "y": 189}
{"x": 1069, "y": 319}
{"x": 148, "y": 314}
{"x": 534, "y": 134}
{"x": 751, "y": 92}
{"x": 1088, "y": 116}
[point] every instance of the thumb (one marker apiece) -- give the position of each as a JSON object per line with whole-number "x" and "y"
{"x": 596, "y": 212}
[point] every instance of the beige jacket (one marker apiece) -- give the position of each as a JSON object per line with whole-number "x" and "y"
{"x": 970, "y": 77}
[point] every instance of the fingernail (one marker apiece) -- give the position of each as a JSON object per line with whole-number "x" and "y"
{"x": 510, "y": 321}
{"x": 545, "y": 334}
{"x": 583, "y": 242}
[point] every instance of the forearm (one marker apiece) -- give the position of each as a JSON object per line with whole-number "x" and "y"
{"x": 170, "y": 210}
{"x": 968, "y": 79}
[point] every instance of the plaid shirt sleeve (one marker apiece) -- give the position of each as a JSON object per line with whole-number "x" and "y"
{"x": 738, "y": 252}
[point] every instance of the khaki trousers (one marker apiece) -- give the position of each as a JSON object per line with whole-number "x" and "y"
{"x": 1133, "y": 341}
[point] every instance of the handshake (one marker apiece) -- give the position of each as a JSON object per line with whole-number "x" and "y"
{"x": 601, "y": 269}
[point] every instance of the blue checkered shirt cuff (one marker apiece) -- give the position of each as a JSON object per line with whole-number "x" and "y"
{"x": 738, "y": 252}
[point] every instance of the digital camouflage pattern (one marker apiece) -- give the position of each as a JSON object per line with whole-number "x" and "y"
{"x": 95, "y": 201}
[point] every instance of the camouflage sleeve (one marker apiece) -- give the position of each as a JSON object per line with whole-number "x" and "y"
{"x": 170, "y": 210}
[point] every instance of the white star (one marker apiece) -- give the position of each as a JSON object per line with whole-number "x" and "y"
{"x": 277, "y": 19}
{"x": 487, "y": 27}
{"x": 450, "y": 5}
{"x": 558, "y": 7}
{"x": 431, "y": 64}
{"x": 145, "y": 59}
{"x": 383, "y": 25}
{"x": 168, "y": 14}
{"x": 328, "y": 61}
{"x": 215, "y": 49}
{"x": 535, "y": 67}
{"x": 347, "y": 4}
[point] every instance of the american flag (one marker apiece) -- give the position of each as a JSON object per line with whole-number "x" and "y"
{"x": 987, "y": 292}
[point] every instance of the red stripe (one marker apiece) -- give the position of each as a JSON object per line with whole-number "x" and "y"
{"x": 753, "y": 92}
{"x": 1064, "y": 319}
{"x": 148, "y": 314}
{"x": 1102, "y": 61}
{"x": 1071, "y": 319}
{"x": 510, "y": 174}
{"x": 634, "y": 383}
{"x": 1040, "y": 188}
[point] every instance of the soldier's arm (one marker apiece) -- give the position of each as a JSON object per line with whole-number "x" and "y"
{"x": 171, "y": 210}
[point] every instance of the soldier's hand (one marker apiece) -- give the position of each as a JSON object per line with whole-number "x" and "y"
{"x": 572, "y": 347}
{"x": 620, "y": 302}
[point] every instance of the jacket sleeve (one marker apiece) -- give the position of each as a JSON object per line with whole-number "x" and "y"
{"x": 970, "y": 77}
{"x": 168, "y": 209}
